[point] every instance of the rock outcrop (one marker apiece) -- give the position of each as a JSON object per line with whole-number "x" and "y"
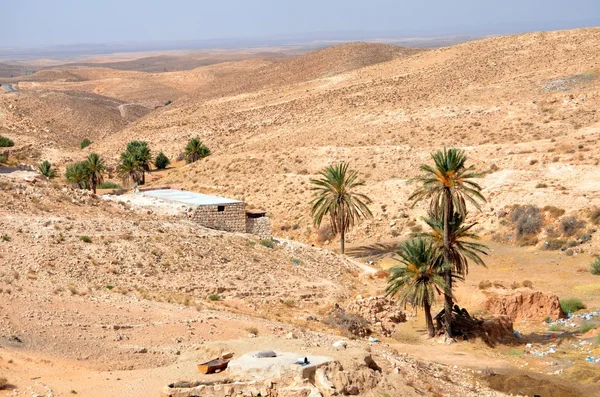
{"x": 381, "y": 313}
{"x": 525, "y": 305}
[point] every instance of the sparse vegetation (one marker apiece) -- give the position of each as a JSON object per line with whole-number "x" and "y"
{"x": 85, "y": 143}
{"x": 351, "y": 324}
{"x": 46, "y": 169}
{"x": 555, "y": 328}
{"x": 85, "y": 239}
{"x": 5, "y": 237}
{"x": 161, "y": 162}
{"x": 335, "y": 196}
{"x": 252, "y": 330}
{"x": 595, "y": 266}
{"x": 553, "y": 211}
{"x": 3, "y": 382}
{"x": 195, "y": 150}
{"x": 214, "y": 297}
{"x": 571, "y": 305}
{"x": 6, "y": 142}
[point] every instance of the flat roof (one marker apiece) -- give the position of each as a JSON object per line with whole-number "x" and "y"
{"x": 189, "y": 198}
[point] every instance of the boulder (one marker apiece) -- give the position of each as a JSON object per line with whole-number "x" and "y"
{"x": 524, "y": 305}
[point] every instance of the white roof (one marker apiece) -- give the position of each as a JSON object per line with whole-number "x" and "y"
{"x": 189, "y": 198}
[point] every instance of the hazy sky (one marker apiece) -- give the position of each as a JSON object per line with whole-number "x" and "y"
{"x": 52, "y": 22}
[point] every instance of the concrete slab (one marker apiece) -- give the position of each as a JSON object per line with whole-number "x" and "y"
{"x": 189, "y": 198}
{"x": 282, "y": 366}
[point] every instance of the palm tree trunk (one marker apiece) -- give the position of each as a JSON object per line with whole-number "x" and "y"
{"x": 448, "y": 273}
{"x": 143, "y": 177}
{"x": 428, "y": 318}
{"x": 93, "y": 184}
{"x": 342, "y": 241}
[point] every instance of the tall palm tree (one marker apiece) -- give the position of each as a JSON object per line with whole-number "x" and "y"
{"x": 449, "y": 185}
{"x": 195, "y": 150}
{"x": 129, "y": 169}
{"x": 463, "y": 248}
{"x": 335, "y": 195}
{"x": 96, "y": 167}
{"x": 47, "y": 170}
{"x": 418, "y": 277}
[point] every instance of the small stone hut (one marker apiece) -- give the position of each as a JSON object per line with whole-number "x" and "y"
{"x": 219, "y": 213}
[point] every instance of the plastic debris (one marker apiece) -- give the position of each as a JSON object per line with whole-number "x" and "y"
{"x": 373, "y": 340}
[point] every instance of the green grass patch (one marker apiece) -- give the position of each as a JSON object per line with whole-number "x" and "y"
{"x": 110, "y": 287}
{"x": 214, "y": 297}
{"x": 586, "y": 327}
{"x": 571, "y": 305}
{"x": 267, "y": 243}
{"x": 86, "y": 239}
{"x": 514, "y": 352}
{"x": 5, "y": 237}
{"x": 555, "y": 327}
{"x": 109, "y": 185}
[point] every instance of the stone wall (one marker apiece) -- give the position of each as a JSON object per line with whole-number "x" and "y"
{"x": 232, "y": 218}
{"x": 260, "y": 227}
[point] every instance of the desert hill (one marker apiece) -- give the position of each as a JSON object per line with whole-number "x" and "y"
{"x": 507, "y": 100}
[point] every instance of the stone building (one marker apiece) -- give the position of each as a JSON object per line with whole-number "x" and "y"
{"x": 218, "y": 212}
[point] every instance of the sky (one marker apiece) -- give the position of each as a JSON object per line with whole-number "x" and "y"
{"x": 38, "y": 23}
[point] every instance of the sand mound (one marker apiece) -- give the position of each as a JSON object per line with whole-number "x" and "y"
{"x": 525, "y": 305}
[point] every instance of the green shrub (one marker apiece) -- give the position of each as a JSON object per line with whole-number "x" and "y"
{"x": 569, "y": 225}
{"x": 47, "y": 170}
{"x": 6, "y": 142}
{"x": 161, "y": 162}
{"x": 86, "y": 239}
{"x": 5, "y": 237}
{"x": 571, "y": 305}
{"x": 595, "y": 266}
{"x": 168, "y": 102}
{"x": 214, "y": 297}
{"x": 527, "y": 220}
{"x": 78, "y": 174}
{"x": 3, "y": 159}
{"x": 85, "y": 143}
{"x": 267, "y": 243}
{"x": 586, "y": 327}
{"x": 109, "y": 185}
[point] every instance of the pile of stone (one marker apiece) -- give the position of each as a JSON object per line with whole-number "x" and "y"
{"x": 381, "y": 313}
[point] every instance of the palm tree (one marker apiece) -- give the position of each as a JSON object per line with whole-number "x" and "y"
{"x": 334, "y": 195}
{"x": 195, "y": 151}
{"x": 78, "y": 174}
{"x": 462, "y": 247}
{"x": 47, "y": 170}
{"x": 418, "y": 277}
{"x": 96, "y": 167}
{"x": 143, "y": 156}
{"x": 448, "y": 185}
{"x": 129, "y": 169}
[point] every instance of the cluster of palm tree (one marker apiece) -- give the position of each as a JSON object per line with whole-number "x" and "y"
{"x": 431, "y": 261}
{"x": 47, "y": 170}
{"x": 87, "y": 174}
{"x": 135, "y": 162}
{"x": 451, "y": 244}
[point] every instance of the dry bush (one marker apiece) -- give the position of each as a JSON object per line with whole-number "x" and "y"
{"x": 325, "y": 233}
{"x": 382, "y": 273}
{"x": 527, "y": 220}
{"x": 569, "y": 225}
{"x": 350, "y": 323}
{"x": 594, "y": 215}
{"x": 553, "y": 244}
{"x": 485, "y": 284}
